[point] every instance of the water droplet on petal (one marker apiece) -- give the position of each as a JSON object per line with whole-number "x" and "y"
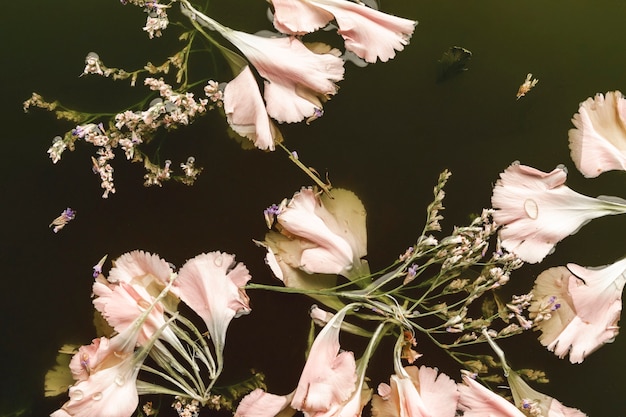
{"x": 120, "y": 380}
{"x": 531, "y": 208}
{"x": 76, "y": 395}
{"x": 219, "y": 260}
{"x": 97, "y": 396}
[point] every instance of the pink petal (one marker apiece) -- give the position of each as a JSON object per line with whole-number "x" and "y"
{"x": 329, "y": 376}
{"x": 331, "y": 254}
{"x": 138, "y": 264}
{"x": 367, "y": 32}
{"x": 479, "y": 401}
{"x": 212, "y": 285}
{"x": 293, "y": 72}
{"x": 245, "y": 111}
{"x": 559, "y": 410}
{"x": 597, "y": 304}
{"x": 537, "y": 210}
{"x": 551, "y": 293}
{"x": 419, "y": 393}
{"x": 263, "y": 404}
{"x": 122, "y": 303}
{"x": 299, "y": 17}
{"x": 110, "y": 387}
{"x": 438, "y": 391}
{"x": 598, "y": 143}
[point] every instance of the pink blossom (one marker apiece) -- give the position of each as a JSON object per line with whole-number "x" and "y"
{"x": 328, "y": 380}
{"x": 245, "y": 111}
{"x": 320, "y": 234}
{"x": 212, "y": 285}
{"x": 416, "y": 393}
{"x": 263, "y": 404}
{"x": 478, "y": 401}
{"x": 107, "y": 385}
{"x": 587, "y": 307}
{"x": 598, "y": 142}
{"x": 367, "y": 32}
{"x": 297, "y": 80}
{"x": 136, "y": 279}
{"x": 537, "y": 210}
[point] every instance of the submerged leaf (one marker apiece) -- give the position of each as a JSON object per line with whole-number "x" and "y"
{"x": 452, "y": 62}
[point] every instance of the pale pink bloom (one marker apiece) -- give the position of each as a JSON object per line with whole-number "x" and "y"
{"x": 212, "y": 284}
{"x": 136, "y": 279}
{"x": 297, "y": 80}
{"x": 321, "y": 234}
{"x": 369, "y": 33}
{"x": 246, "y": 113}
{"x": 419, "y": 393}
{"x": 353, "y": 407}
{"x": 328, "y": 380}
{"x": 538, "y": 210}
{"x": 588, "y": 303}
{"x": 528, "y": 399}
{"x": 263, "y": 404}
{"x": 478, "y": 401}
{"x": 598, "y": 143}
{"x": 107, "y": 385}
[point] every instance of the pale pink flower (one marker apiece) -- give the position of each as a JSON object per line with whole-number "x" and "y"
{"x": 538, "y": 210}
{"x": 212, "y": 285}
{"x": 369, "y": 33}
{"x": 478, "y": 401}
{"x": 246, "y": 113}
{"x": 263, "y": 404}
{"x": 297, "y": 80}
{"x": 534, "y": 402}
{"x": 328, "y": 380}
{"x": 416, "y": 393}
{"x": 598, "y": 143}
{"x": 106, "y": 386}
{"x": 587, "y": 306}
{"x": 136, "y": 279}
{"x": 353, "y": 407}
{"x": 320, "y": 233}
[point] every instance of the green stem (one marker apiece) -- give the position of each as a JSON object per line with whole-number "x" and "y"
{"x": 294, "y": 158}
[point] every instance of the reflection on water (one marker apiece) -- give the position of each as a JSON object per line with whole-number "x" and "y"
{"x": 387, "y": 134}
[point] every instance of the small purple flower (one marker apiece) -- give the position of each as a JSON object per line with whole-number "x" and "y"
{"x": 273, "y": 209}
{"x": 58, "y": 223}
{"x": 69, "y": 214}
{"x": 270, "y": 213}
{"x": 97, "y": 268}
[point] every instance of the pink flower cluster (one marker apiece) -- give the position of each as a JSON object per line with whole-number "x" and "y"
{"x": 577, "y": 309}
{"x": 297, "y": 77}
{"x": 330, "y": 385}
{"x": 139, "y": 300}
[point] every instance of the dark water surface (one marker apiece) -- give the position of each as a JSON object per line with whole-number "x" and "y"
{"x": 386, "y": 135}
